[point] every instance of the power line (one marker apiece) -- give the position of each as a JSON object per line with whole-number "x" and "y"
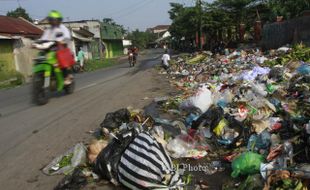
{"x": 11, "y": 0}
{"x": 125, "y": 8}
{"x": 130, "y": 11}
{"x": 134, "y": 9}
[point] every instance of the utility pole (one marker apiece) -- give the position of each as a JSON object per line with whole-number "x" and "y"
{"x": 18, "y": 3}
{"x": 199, "y": 10}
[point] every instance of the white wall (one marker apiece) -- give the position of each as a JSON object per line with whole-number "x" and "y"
{"x": 23, "y": 56}
{"x": 94, "y": 27}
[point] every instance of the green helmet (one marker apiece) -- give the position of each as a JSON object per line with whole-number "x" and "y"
{"x": 55, "y": 15}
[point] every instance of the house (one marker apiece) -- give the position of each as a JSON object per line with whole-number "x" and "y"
{"x": 105, "y": 42}
{"x": 159, "y": 30}
{"x": 16, "y": 54}
{"x": 96, "y": 46}
{"x": 163, "y": 38}
{"x": 163, "y": 35}
{"x": 126, "y": 45}
{"x": 86, "y": 35}
{"x": 112, "y": 37}
{"x": 82, "y": 39}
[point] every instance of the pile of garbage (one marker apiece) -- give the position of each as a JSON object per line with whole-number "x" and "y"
{"x": 243, "y": 117}
{"x": 255, "y": 106}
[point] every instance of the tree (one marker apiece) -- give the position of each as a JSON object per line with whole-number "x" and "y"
{"x": 184, "y": 23}
{"x": 141, "y": 39}
{"x": 221, "y": 19}
{"x": 110, "y": 21}
{"x": 237, "y": 8}
{"x": 287, "y": 8}
{"x": 19, "y": 12}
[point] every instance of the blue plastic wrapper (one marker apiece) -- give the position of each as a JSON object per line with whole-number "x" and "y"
{"x": 304, "y": 69}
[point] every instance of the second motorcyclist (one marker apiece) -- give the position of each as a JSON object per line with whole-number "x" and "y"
{"x": 134, "y": 52}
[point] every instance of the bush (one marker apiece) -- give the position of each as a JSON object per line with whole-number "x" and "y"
{"x": 10, "y": 79}
{"x": 93, "y": 64}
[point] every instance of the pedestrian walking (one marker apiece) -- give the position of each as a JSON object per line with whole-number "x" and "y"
{"x": 81, "y": 58}
{"x": 165, "y": 60}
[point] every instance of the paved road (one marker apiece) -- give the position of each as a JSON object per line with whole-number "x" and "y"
{"x": 32, "y": 135}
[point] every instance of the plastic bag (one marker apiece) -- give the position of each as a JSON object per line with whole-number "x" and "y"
{"x": 231, "y": 131}
{"x": 179, "y": 148}
{"x": 190, "y": 118}
{"x": 222, "y": 99}
{"x": 95, "y": 148}
{"x": 251, "y": 75}
{"x": 201, "y": 100}
{"x": 65, "y": 58}
{"x": 259, "y": 89}
{"x": 106, "y": 165}
{"x": 259, "y": 142}
{"x": 210, "y": 118}
{"x": 247, "y": 163}
{"x": 75, "y": 181}
{"x": 116, "y": 119}
{"x": 146, "y": 165}
{"x": 77, "y": 155}
{"x": 252, "y": 182}
{"x": 276, "y": 73}
{"x": 218, "y": 130}
{"x": 188, "y": 146}
{"x": 304, "y": 69}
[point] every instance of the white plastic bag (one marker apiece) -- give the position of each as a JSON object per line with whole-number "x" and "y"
{"x": 78, "y": 158}
{"x": 178, "y": 148}
{"x": 201, "y": 100}
{"x": 259, "y": 89}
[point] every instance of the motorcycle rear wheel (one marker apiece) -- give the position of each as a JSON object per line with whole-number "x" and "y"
{"x": 39, "y": 94}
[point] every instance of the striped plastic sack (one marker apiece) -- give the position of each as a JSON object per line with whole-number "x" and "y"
{"x": 146, "y": 165}
{"x": 106, "y": 164}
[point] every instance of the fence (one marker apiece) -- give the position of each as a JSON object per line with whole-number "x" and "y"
{"x": 281, "y": 33}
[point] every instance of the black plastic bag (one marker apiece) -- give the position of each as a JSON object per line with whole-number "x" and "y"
{"x": 210, "y": 118}
{"x": 276, "y": 73}
{"x": 75, "y": 181}
{"x": 107, "y": 161}
{"x": 287, "y": 130}
{"x": 244, "y": 132}
{"x": 116, "y": 119}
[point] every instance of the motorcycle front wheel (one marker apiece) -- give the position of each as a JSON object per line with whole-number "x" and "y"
{"x": 69, "y": 89}
{"x": 39, "y": 94}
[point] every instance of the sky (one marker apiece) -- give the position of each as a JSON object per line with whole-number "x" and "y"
{"x": 133, "y": 14}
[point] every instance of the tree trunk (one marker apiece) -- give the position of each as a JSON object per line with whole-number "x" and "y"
{"x": 258, "y": 30}
{"x": 241, "y": 32}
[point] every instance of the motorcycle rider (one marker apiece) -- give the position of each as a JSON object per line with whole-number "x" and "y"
{"x": 134, "y": 50}
{"x": 61, "y": 34}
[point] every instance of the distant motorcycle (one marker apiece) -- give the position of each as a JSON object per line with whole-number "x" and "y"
{"x": 76, "y": 68}
{"x": 132, "y": 60}
{"x": 46, "y": 76}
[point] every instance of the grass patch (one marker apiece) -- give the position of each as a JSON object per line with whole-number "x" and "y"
{"x": 11, "y": 79}
{"x": 92, "y": 65}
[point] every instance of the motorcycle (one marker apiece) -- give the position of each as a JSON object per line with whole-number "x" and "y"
{"x": 132, "y": 60}
{"x": 46, "y": 76}
{"x": 76, "y": 68}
